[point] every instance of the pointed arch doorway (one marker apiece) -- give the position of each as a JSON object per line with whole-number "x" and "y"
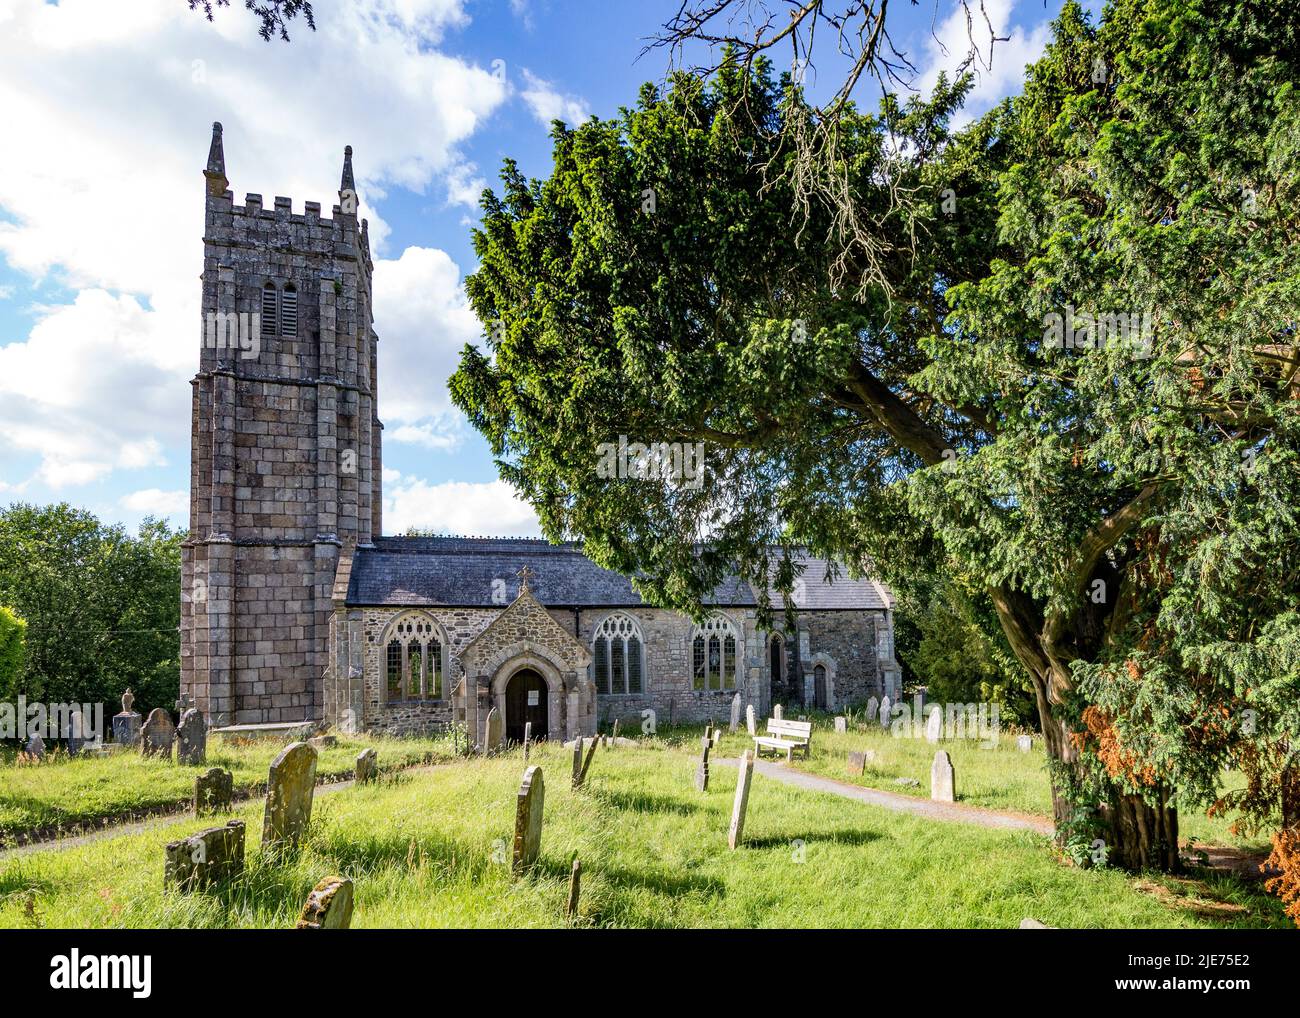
{"x": 526, "y": 702}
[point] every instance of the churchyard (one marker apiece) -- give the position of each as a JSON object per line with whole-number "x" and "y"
{"x": 436, "y": 846}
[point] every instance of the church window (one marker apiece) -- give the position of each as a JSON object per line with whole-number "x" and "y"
{"x": 713, "y": 654}
{"x": 289, "y": 311}
{"x": 415, "y": 664}
{"x": 617, "y": 665}
{"x": 270, "y": 309}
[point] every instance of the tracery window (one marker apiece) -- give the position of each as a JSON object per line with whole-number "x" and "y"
{"x": 414, "y": 659}
{"x": 713, "y": 653}
{"x": 617, "y": 663}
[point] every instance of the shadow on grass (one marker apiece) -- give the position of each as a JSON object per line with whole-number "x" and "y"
{"x": 644, "y": 802}
{"x": 841, "y": 837}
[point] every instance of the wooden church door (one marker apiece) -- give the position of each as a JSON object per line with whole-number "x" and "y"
{"x": 525, "y": 702}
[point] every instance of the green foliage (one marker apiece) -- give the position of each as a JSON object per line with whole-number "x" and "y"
{"x": 13, "y": 650}
{"x": 102, "y": 608}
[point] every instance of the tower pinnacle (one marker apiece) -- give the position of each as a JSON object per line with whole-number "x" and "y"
{"x": 216, "y": 168}
{"x": 348, "y": 186}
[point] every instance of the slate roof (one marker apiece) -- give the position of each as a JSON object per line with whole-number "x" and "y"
{"x": 460, "y": 572}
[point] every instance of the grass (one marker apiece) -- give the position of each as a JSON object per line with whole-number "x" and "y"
{"x": 431, "y": 849}
{"x": 999, "y": 779}
{"x": 69, "y": 792}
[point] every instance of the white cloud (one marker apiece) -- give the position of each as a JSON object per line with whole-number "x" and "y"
{"x": 998, "y": 67}
{"x": 457, "y": 507}
{"x": 108, "y": 110}
{"x": 156, "y": 502}
{"x": 548, "y": 104}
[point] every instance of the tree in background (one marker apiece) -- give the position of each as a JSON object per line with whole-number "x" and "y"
{"x": 13, "y": 650}
{"x": 1129, "y": 507}
{"x": 102, "y": 608}
{"x": 274, "y": 15}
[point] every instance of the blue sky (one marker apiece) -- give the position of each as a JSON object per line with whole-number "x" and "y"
{"x": 107, "y": 109}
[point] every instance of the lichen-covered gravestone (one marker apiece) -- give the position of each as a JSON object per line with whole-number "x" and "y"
{"x": 328, "y": 907}
{"x": 158, "y": 734}
{"x": 735, "y": 713}
{"x": 192, "y": 739}
{"x": 942, "y": 780}
{"x": 741, "y": 802}
{"x": 213, "y": 791}
{"x": 319, "y": 742}
{"x": 205, "y": 858}
{"x": 575, "y": 888}
{"x": 577, "y": 761}
{"x": 367, "y": 766}
{"x": 885, "y": 707}
{"x": 934, "y": 725}
{"x": 492, "y": 740}
{"x": 873, "y": 708}
{"x": 35, "y": 748}
{"x": 751, "y": 724}
{"x": 1024, "y": 743}
{"x": 702, "y": 769}
{"x": 126, "y": 725}
{"x": 289, "y": 790}
{"x": 528, "y": 820}
{"x": 857, "y": 763}
{"x": 841, "y": 724}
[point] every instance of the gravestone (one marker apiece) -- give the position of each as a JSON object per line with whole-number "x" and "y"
{"x": 528, "y": 819}
{"x": 528, "y": 738}
{"x": 942, "y": 780}
{"x": 717, "y": 737}
{"x": 492, "y": 739}
{"x": 75, "y": 733}
{"x": 575, "y": 888}
{"x": 586, "y": 764}
{"x": 778, "y": 712}
{"x": 289, "y": 790}
{"x": 577, "y": 761}
{"x": 873, "y": 708}
{"x": 613, "y": 739}
{"x": 841, "y": 724}
{"x": 735, "y": 713}
{"x": 213, "y": 791}
{"x": 857, "y": 765}
{"x": 35, "y": 748}
{"x": 158, "y": 734}
{"x": 885, "y": 707}
{"x": 743, "y": 778}
{"x": 1030, "y": 923}
{"x": 367, "y": 766}
{"x": 702, "y": 769}
{"x": 205, "y": 858}
{"x": 319, "y": 742}
{"x": 126, "y": 725}
{"x": 1024, "y": 743}
{"x": 192, "y": 739}
{"x": 328, "y": 907}
{"x": 934, "y": 725}
{"x": 751, "y": 723}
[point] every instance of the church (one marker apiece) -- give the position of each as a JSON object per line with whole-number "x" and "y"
{"x": 295, "y": 607}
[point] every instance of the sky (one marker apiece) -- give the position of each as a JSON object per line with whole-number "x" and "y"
{"x": 106, "y": 111}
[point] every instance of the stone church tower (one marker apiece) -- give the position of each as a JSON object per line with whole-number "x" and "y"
{"x": 285, "y": 464}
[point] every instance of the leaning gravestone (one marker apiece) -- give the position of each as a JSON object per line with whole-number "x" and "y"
{"x": 319, "y": 742}
{"x": 885, "y": 707}
{"x": 492, "y": 741}
{"x": 367, "y": 767}
{"x": 577, "y": 761}
{"x": 528, "y": 820}
{"x": 192, "y": 739}
{"x": 586, "y": 764}
{"x": 575, "y": 888}
{"x": 328, "y": 907}
{"x": 213, "y": 791}
{"x": 205, "y": 858}
{"x": 702, "y": 769}
{"x": 934, "y": 725}
{"x": 289, "y": 790}
{"x": 873, "y": 708}
{"x": 126, "y": 726}
{"x": 1024, "y": 743}
{"x": 942, "y": 779}
{"x": 158, "y": 734}
{"x": 735, "y": 713}
{"x": 841, "y": 724}
{"x": 738, "y": 807}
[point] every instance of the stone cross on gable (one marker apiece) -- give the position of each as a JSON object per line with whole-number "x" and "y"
{"x": 525, "y": 576}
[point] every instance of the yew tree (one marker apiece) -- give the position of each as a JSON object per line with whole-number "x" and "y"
{"x": 971, "y": 400}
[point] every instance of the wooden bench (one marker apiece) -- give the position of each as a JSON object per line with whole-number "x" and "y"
{"x": 784, "y": 737}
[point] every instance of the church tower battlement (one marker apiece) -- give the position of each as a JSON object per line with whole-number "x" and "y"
{"x": 285, "y": 458}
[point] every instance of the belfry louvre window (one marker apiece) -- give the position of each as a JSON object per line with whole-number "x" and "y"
{"x": 270, "y": 309}
{"x": 713, "y": 654}
{"x": 289, "y": 311}
{"x": 617, "y": 666}
{"x": 414, "y": 660}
